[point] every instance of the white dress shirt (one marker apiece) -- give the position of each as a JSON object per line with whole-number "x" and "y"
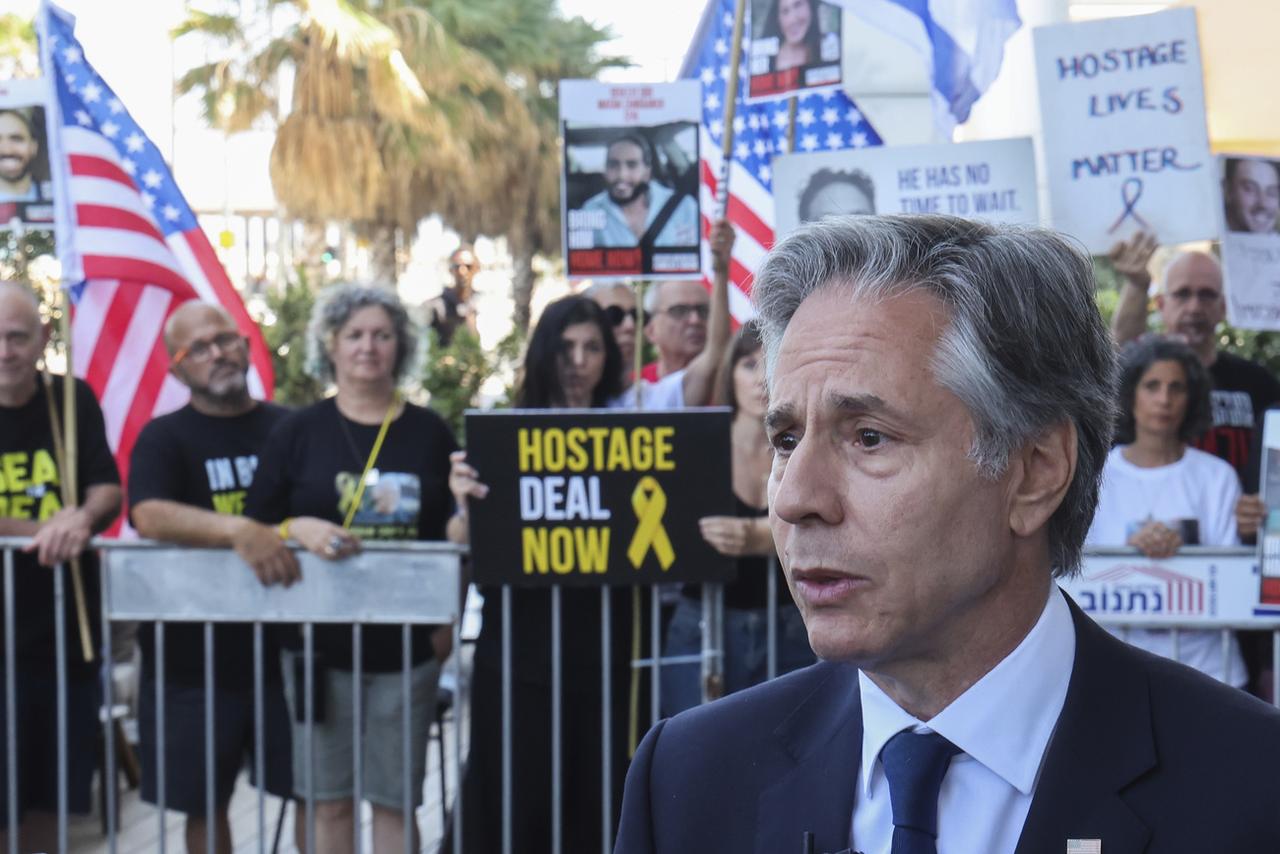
{"x": 1003, "y": 724}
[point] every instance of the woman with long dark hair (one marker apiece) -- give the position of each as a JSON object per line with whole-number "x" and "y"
{"x": 1158, "y": 494}
{"x": 794, "y": 23}
{"x": 572, "y": 362}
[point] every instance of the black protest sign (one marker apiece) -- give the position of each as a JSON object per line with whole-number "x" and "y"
{"x": 595, "y": 497}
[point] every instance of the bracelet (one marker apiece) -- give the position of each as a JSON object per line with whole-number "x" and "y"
{"x": 284, "y": 528}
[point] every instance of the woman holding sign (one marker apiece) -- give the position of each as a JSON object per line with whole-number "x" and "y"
{"x": 744, "y": 536}
{"x": 1159, "y": 495}
{"x": 572, "y": 362}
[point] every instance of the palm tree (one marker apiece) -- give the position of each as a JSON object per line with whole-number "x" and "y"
{"x": 404, "y": 109}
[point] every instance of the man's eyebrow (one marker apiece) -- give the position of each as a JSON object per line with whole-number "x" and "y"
{"x": 778, "y": 416}
{"x": 860, "y": 404}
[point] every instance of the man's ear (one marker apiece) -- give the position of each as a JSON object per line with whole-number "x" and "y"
{"x": 1044, "y": 470}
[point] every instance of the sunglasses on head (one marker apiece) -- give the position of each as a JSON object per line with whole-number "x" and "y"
{"x": 617, "y": 314}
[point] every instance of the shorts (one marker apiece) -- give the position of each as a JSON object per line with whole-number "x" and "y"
{"x": 383, "y": 724}
{"x": 37, "y": 740}
{"x": 233, "y": 744}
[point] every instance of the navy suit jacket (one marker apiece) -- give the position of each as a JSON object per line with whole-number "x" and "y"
{"x": 1148, "y": 755}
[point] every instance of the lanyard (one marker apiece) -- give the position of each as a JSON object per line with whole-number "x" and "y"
{"x": 373, "y": 456}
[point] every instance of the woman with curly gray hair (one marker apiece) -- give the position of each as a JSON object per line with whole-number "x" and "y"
{"x": 363, "y": 463}
{"x": 1158, "y": 494}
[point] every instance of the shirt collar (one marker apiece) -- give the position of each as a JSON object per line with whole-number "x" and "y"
{"x": 1027, "y": 689}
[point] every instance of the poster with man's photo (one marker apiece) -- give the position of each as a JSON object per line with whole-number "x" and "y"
{"x": 993, "y": 180}
{"x": 630, "y": 179}
{"x": 795, "y": 48}
{"x": 1250, "y": 235}
{"x": 26, "y": 191}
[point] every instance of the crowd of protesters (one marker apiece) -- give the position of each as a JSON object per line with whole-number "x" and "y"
{"x": 228, "y": 471}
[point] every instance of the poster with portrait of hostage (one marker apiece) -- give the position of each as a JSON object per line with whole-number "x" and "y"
{"x": 993, "y": 180}
{"x": 596, "y": 497}
{"x": 1249, "y": 225}
{"x": 630, "y": 182}
{"x": 26, "y": 191}
{"x": 795, "y": 48}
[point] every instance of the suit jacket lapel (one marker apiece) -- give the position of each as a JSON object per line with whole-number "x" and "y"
{"x": 821, "y": 743}
{"x": 1103, "y": 742}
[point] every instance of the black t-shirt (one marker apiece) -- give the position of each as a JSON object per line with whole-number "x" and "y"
{"x": 1242, "y": 392}
{"x": 750, "y": 588}
{"x": 207, "y": 462}
{"x": 311, "y": 466}
{"x": 29, "y": 489}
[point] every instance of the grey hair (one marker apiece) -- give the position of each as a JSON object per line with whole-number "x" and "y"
{"x": 1025, "y": 348}
{"x": 652, "y": 295}
{"x": 332, "y": 310}
{"x": 600, "y": 288}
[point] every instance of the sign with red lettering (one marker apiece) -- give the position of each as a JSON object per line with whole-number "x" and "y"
{"x": 26, "y": 187}
{"x": 1123, "y": 127}
{"x": 795, "y": 48}
{"x": 629, "y": 190}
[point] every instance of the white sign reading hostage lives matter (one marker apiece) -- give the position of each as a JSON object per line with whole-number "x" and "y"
{"x": 1122, "y": 118}
{"x": 994, "y": 181}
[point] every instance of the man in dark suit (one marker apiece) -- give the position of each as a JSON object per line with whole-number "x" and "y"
{"x": 940, "y": 410}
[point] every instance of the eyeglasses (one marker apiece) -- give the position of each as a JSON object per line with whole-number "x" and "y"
{"x": 616, "y": 314}
{"x": 202, "y": 351}
{"x": 1205, "y": 295}
{"x": 463, "y": 265}
{"x": 681, "y": 310}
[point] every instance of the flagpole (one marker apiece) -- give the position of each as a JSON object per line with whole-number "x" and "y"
{"x": 791, "y": 123}
{"x": 730, "y": 108}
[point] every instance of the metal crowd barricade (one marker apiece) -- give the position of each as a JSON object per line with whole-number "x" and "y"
{"x": 401, "y": 584}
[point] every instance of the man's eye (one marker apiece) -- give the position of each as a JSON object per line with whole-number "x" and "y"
{"x": 784, "y": 442}
{"x": 868, "y": 438}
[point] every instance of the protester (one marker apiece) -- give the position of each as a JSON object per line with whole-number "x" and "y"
{"x": 794, "y": 23}
{"x": 1159, "y": 495}
{"x": 637, "y": 209}
{"x": 1191, "y": 306}
{"x": 693, "y": 382}
{"x": 188, "y": 477}
{"x": 453, "y": 308}
{"x": 572, "y": 362}
{"x": 32, "y": 505}
{"x": 940, "y": 410}
{"x": 744, "y": 536}
{"x": 619, "y": 303}
{"x": 676, "y": 314}
{"x": 361, "y": 464}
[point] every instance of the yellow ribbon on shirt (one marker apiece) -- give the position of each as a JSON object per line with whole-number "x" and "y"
{"x": 649, "y": 503}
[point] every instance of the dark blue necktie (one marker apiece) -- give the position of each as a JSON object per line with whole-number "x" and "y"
{"x": 915, "y": 763}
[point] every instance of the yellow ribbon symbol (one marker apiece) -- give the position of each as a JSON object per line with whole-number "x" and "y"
{"x": 649, "y": 503}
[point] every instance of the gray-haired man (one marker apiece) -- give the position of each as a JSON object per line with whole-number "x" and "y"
{"x": 940, "y": 409}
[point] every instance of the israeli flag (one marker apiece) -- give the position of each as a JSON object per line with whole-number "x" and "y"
{"x": 962, "y": 42}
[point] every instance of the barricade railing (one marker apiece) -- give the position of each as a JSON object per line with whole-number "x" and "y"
{"x": 403, "y": 584}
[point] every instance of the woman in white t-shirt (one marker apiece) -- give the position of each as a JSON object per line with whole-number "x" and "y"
{"x": 1158, "y": 494}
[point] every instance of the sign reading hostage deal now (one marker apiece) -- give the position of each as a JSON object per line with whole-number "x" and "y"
{"x": 597, "y": 496}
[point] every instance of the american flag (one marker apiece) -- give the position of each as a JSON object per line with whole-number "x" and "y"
{"x": 825, "y": 121}
{"x": 130, "y": 247}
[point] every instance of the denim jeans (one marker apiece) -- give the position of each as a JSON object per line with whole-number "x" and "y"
{"x": 746, "y": 650}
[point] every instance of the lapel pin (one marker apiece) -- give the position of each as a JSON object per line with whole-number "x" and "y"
{"x": 1084, "y": 846}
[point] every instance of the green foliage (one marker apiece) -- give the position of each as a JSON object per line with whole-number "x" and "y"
{"x": 453, "y": 375}
{"x": 286, "y": 336}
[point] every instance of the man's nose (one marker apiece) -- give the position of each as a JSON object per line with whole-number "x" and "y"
{"x": 804, "y": 494}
